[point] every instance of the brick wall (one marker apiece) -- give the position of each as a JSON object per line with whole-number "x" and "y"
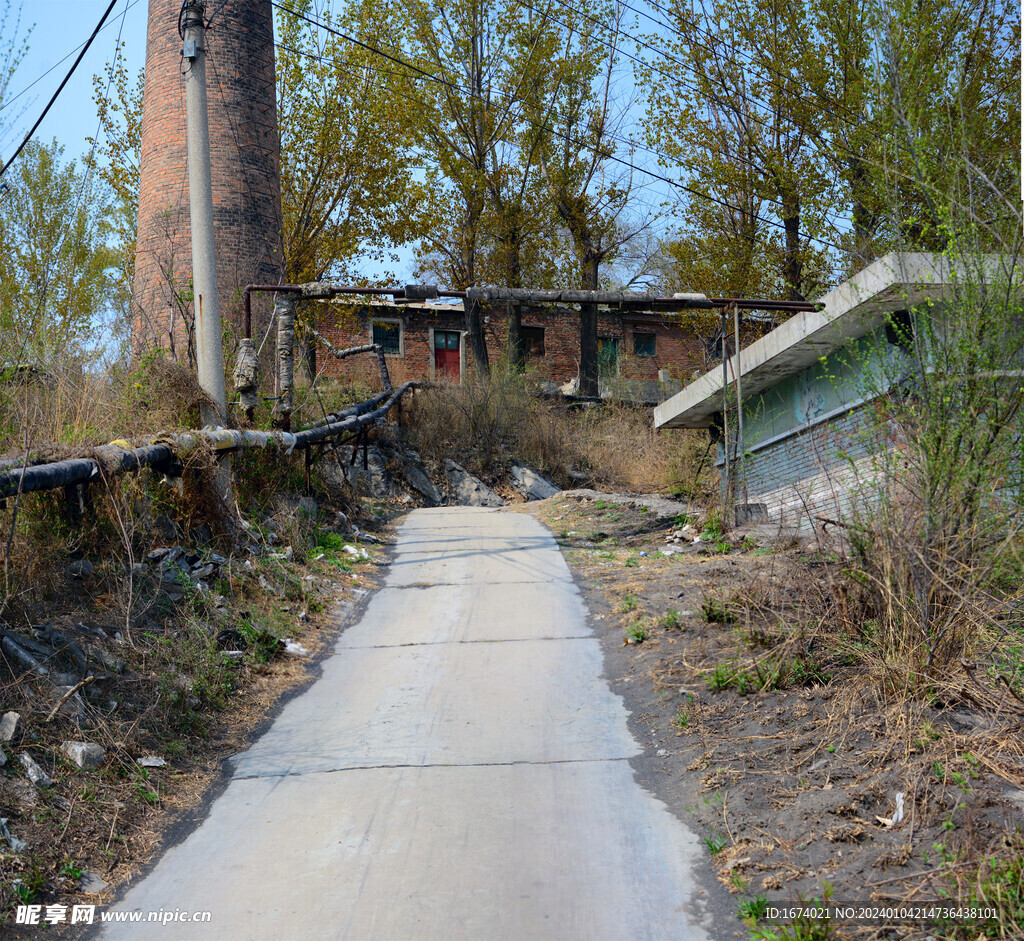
{"x": 245, "y": 168}
{"x": 676, "y": 347}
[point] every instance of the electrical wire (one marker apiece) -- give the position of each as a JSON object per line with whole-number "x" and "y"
{"x": 56, "y": 65}
{"x": 369, "y": 48}
{"x": 568, "y": 138}
{"x": 60, "y": 88}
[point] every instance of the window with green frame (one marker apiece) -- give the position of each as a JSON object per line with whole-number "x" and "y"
{"x": 644, "y": 344}
{"x": 387, "y": 334}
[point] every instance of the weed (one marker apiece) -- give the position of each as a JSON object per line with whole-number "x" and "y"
{"x": 636, "y": 634}
{"x": 997, "y": 884}
{"x": 71, "y": 869}
{"x": 714, "y": 528}
{"x": 263, "y": 644}
{"x": 804, "y": 927}
{"x": 753, "y": 910}
{"x": 682, "y": 720}
{"x": 804, "y": 671}
{"x": 29, "y": 888}
{"x": 738, "y": 883}
{"x": 715, "y": 843}
{"x": 717, "y": 612}
{"x": 730, "y": 676}
{"x": 628, "y": 603}
{"x": 671, "y": 620}
{"x": 749, "y": 544}
{"x": 632, "y": 562}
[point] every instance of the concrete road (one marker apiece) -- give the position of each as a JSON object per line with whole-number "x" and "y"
{"x": 460, "y": 771}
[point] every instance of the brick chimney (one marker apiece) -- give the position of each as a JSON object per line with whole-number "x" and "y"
{"x": 245, "y": 165}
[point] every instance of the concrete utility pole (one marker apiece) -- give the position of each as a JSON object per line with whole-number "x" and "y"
{"x": 204, "y": 260}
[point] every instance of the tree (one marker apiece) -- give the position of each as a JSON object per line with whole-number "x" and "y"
{"x": 13, "y": 46}
{"x": 590, "y": 186}
{"x": 55, "y": 278}
{"x": 731, "y": 109}
{"x": 483, "y": 59}
{"x": 115, "y": 158}
{"x": 347, "y": 187}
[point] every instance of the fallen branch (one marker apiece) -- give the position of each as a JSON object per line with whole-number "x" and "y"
{"x": 71, "y": 692}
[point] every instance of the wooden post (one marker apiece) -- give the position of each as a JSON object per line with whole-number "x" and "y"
{"x": 284, "y": 310}
{"x": 727, "y": 494}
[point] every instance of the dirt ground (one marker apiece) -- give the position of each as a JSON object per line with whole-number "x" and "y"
{"x": 794, "y": 789}
{"x": 93, "y": 831}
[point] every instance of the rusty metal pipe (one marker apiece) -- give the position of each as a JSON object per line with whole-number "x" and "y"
{"x": 741, "y": 303}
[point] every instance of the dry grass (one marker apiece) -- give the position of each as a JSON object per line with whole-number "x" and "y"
{"x": 614, "y": 446}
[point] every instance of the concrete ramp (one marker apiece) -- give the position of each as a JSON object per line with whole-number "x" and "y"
{"x": 460, "y": 771}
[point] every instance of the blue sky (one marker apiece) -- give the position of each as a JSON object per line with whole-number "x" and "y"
{"x": 61, "y": 27}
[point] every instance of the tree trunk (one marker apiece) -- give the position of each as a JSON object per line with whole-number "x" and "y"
{"x": 589, "y": 367}
{"x": 516, "y": 357}
{"x": 792, "y": 266}
{"x": 475, "y": 332}
{"x": 307, "y": 357}
{"x": 865, "y": 222}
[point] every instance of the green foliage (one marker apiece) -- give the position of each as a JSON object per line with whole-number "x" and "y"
{"x": 629, "y": 603}
{"x": 193, "y": 678}
{"x": 715, "y": 611}
{"x": 54, "y": 263}
{"x": 714, "y": 527}
{"x": 715, "y": 843}
{"x": 752, "y": 910}
{"x": 671, "y": 620}
{"x": 998, "y": 884}
{"x": 805, "y": 927}
{"x": 28, "y": 889}
{"x": 727, "y": 676}
{"x": 346, "y": 190}
{"x": 636, "y": 633}
{"x": 71, "y": 869}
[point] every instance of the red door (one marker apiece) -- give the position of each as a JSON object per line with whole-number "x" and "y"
{"x": 446, "y": 354}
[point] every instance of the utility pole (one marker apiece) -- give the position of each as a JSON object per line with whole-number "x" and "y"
{"x": 204, "y": 260}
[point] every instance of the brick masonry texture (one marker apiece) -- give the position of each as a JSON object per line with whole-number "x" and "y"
{"x": 245, "y": 169}
{"x": 677, "y": 348}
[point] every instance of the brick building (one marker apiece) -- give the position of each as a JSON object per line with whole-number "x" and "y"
{"x": 245, "y": 169}
{"x": 643, "y": 355}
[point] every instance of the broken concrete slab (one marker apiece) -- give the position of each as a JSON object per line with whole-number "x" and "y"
{"x": 412, "y": 470}
{"x": 9, "y": 726}
{"x": 87, "y": 755}
{"x": 530, "y": 483}
{"x": 470, "y": 490}
{"x": 91, "y": 883}
{"x": 35, "y": 774}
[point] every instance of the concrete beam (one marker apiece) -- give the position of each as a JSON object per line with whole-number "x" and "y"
{"x": 895, "y": 282}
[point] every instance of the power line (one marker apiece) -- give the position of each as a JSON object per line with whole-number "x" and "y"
{"x": 357, "y": 42}
{"x": 853, "y": 119}
{"x": 56, "y": 65}
{"x": 626, "y": 163}
{"x": 60, "y": 88}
